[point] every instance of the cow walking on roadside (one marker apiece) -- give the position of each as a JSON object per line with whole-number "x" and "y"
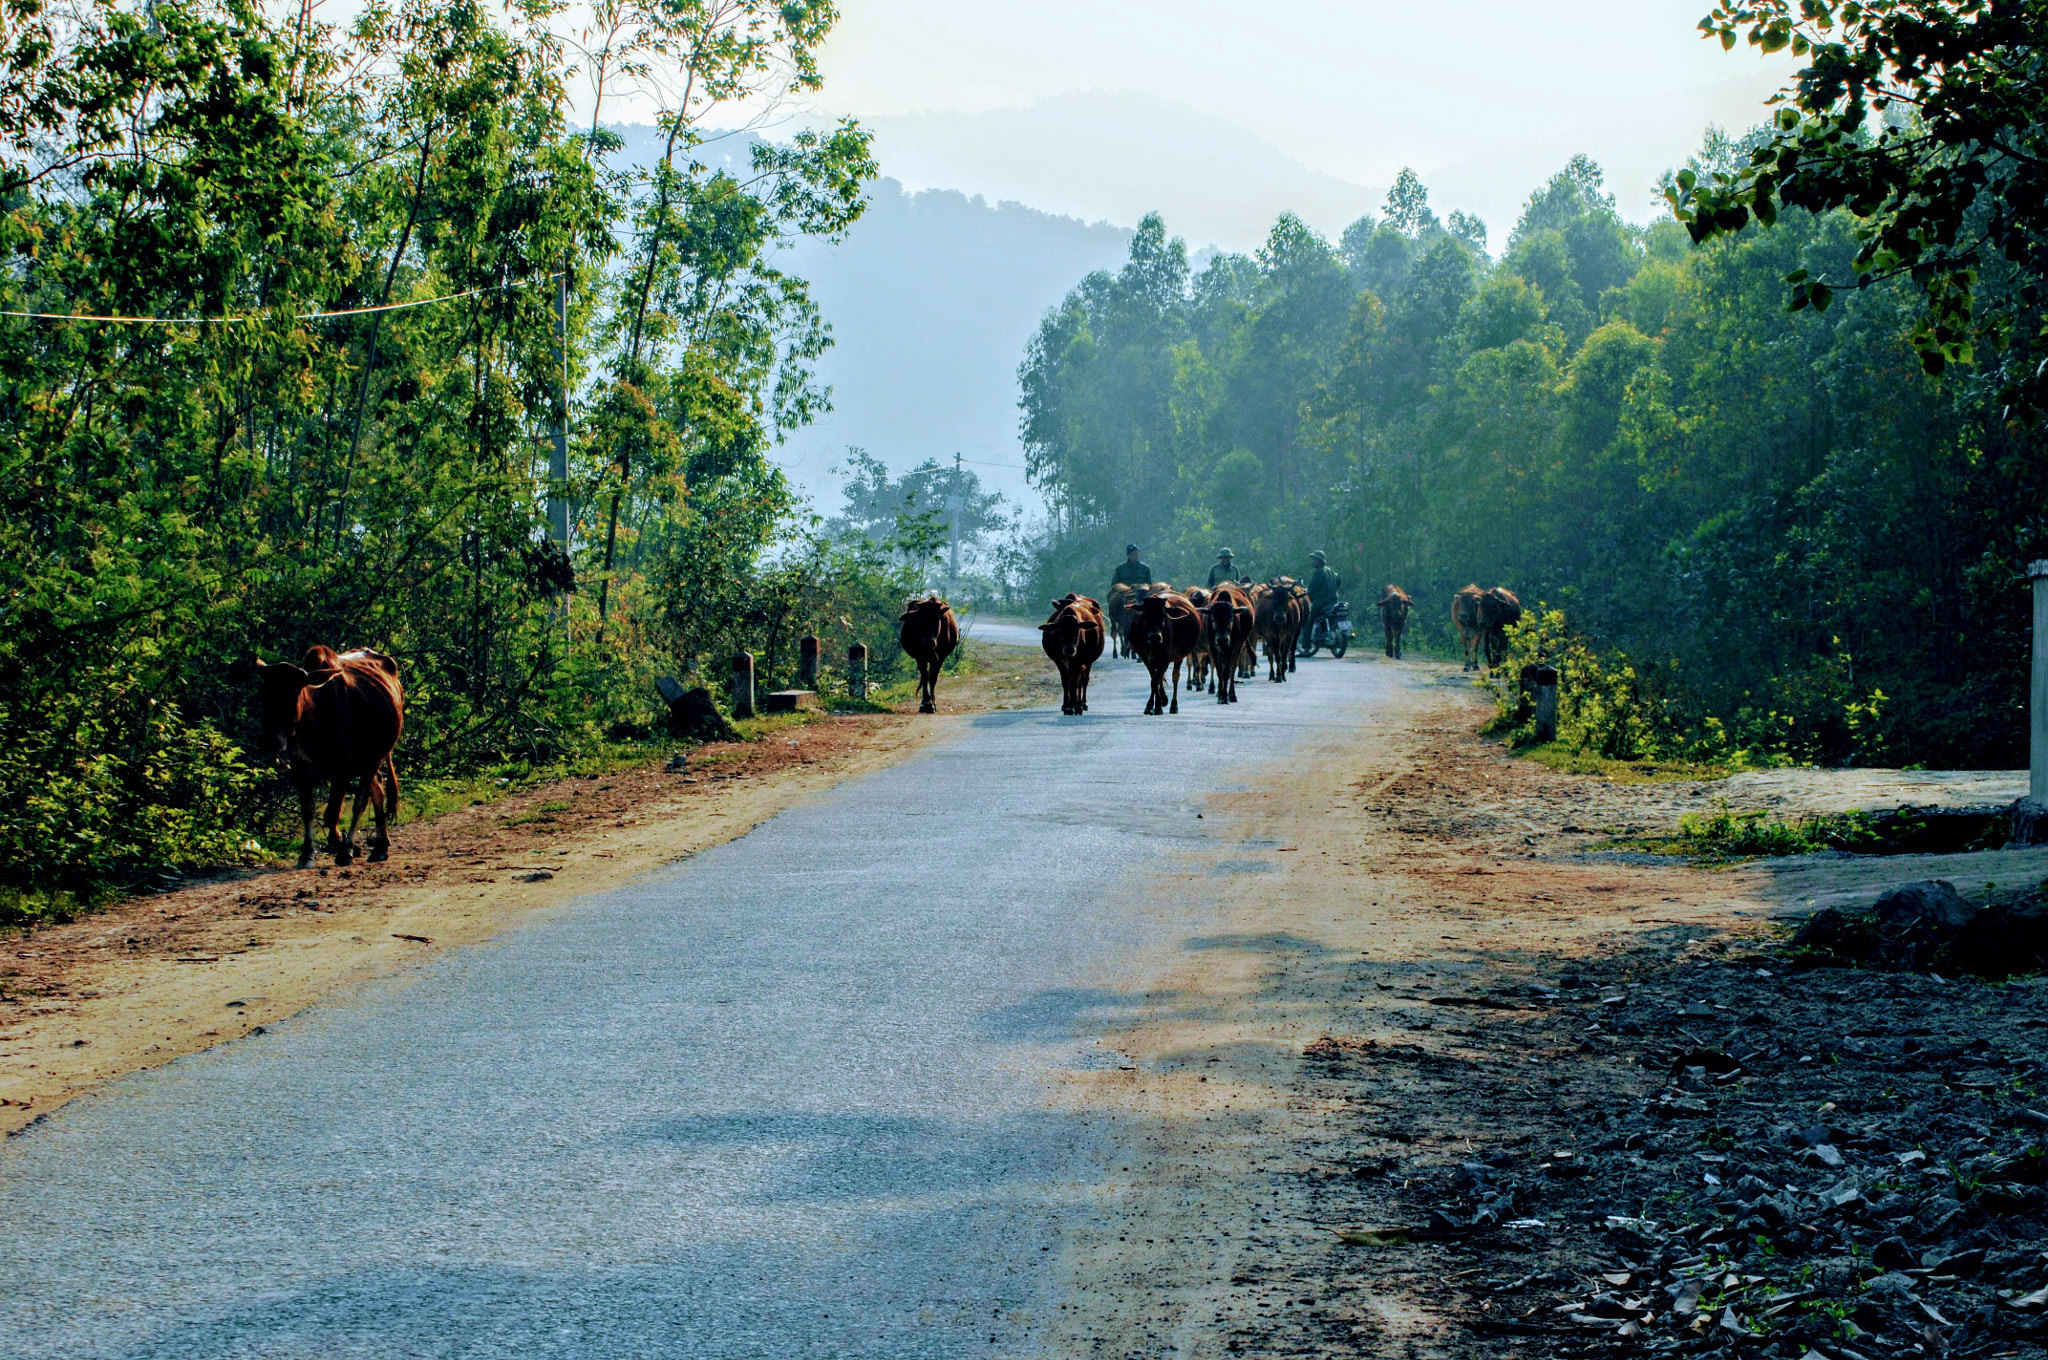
{"x": 1394, "y": 606}
{"x": 1281, "y": 608}
{"x": 1072, "y": 637}
{"x": 1482, "y": 618}
{"x": 1465, "y": 618}
{"x": 336, "y": 716}
{"x": 929, "y": 635}
{"x": 1165, "y": 630}
{"x": 1499, "y": 611}
{"x": 1116, "y": 615}
{"x": 1231, "y": 634}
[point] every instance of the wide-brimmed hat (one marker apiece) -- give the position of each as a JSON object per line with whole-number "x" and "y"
{"x": 1222, "y": 553}
{"x": 1317, "y": 556}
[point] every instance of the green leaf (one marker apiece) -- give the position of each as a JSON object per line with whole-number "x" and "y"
{"x": 1821, "y": 294}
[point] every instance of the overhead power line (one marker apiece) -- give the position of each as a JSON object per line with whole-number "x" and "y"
{"x": 298, "y": 316}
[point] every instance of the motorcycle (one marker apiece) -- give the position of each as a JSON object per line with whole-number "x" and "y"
{"x": 1331, "y": 628}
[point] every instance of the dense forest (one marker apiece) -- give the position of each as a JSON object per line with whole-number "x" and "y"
{"x": 291, "y": 313}
{"x": 1756, "y": 533}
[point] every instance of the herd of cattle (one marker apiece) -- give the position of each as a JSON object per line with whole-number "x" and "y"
{"x": 336, "y": 716}
{"x": 1214, "y": 633}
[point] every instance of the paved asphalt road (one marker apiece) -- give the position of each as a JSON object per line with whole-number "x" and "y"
{"x": 782, "y": 1100}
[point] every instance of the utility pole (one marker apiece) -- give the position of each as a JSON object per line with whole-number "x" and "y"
{"x": 956, "y": 507}
{"x": 558, "y": 457}
{"x": 558, "y": 461}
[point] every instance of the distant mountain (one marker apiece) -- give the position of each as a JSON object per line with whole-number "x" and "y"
{"x": 931, "y": 299}
{"x": 1118, "y": 155}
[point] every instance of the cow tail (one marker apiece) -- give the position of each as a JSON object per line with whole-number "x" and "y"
{"x": 390, "y": 792}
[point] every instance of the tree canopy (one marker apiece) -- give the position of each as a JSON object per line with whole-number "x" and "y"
{"x": 284, "y": 364}
{"x": 1929, "y": 124}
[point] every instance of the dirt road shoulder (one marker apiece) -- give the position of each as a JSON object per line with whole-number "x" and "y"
{"x": 150, "y": 979}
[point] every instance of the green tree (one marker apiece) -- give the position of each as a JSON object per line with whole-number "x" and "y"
{"x": 1928, "y": 121}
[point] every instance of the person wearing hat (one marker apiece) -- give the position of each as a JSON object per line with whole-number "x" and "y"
{"x": 1132, "y": 572}
{"x": 1222, "y": 571}
{"x": 1323, "y": 585}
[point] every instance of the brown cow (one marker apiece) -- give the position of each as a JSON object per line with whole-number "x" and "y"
{"x": 1248, "y": 655}
{"x": 1299, "y": 608}
{"x": 337, "y": 717}
{"x": 1116, "y": 615}
{"x": 1198, "y": 664}
{"x": 1499, "y": 610}
{"x": 1465, "y": 618}
{"x": 1072, "y": 637}
{"x": 1165, "y": 630}
{"x": 929, "y": 635}
{"x": 1281, "y": 609}
{"x": 1394, "y": 606}
{"x": 1231, "y": 625}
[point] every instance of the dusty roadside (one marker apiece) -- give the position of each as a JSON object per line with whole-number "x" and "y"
{"x": 1430, "y": 1005}
{"x": 150, "y": 979}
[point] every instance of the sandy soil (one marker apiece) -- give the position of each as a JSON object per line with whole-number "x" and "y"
{"x": 149, "y": 979}
{"x": 1350, "y": 1031}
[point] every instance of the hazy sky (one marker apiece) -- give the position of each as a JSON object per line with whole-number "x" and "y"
{"x": 1484, "y": 98}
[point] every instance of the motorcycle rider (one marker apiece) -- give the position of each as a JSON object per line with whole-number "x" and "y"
{"x": 1222, "y": 571}
{"x": 1323, "y": 585}
{"x": 1132, "y": 572}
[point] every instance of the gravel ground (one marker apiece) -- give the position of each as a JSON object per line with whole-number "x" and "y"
{"x": 1695, "y": 1147}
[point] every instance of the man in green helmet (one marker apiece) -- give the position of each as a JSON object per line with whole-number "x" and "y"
{"x": 1323, "y": 585}
{"x": 1223, "y": 570}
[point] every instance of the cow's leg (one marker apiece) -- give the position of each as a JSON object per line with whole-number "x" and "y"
{"x": 366, "y": 793}
{"x": 384, "y": 802}
{"x": 306, "y": 816}
{"x": 1087, "y": 673}
{"x": 1175, "y": 690}
{"x": 337, "y": 789}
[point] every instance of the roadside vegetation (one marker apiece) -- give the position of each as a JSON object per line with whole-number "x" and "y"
{"x": 326, "y": 408}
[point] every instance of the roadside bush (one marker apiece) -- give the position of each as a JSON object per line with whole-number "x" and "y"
{"x": 1725, "y": 831}
{"x": 102, "y": 789}
{"x": 1620, "y": 707}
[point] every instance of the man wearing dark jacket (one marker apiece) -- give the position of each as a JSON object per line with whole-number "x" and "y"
{"x": 1132, "y": 572}
{"x": 1223, "y": 570}
{"x": 1323, "y": 585}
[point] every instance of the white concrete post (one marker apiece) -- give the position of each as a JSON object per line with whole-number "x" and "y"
{"x": 2037, "y": 705}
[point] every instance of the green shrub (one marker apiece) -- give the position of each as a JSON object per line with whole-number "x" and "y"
{"x": 1615, "y": 706}
{"x": 1725, "y": 831}
{"x": 101, "y": 788}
